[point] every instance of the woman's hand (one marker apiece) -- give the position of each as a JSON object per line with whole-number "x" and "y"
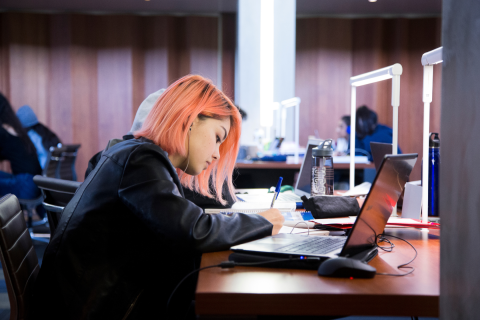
{"x": 274, "y": 217}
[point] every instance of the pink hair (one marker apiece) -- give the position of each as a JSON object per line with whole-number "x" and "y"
{"x": 174, "y": 112}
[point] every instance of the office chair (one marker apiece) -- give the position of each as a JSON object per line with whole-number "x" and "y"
{"x": 19, "y": 260}
{"x": 56, "y": 195}
{"x": 67, "y": 165}
{"x": 61, "y": 162}
{"x": 51, "y": 169}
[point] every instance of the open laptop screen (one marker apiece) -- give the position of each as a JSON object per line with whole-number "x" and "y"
{"x": 383, "y": 196}
{"x": 379, "y": 150}
{"x": 304, "y": 182}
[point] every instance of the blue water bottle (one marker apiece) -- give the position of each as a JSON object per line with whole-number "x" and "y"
{"x": 433, "y": 174}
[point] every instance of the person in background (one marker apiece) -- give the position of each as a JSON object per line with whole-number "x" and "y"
{"x": 16, "y": 147}
{"x": 128, "y": 236}
{"x": 369, "y": 130}
{"x": 42, "y": 137}
{"x": 343, "y": 136}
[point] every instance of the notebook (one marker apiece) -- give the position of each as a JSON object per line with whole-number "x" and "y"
{"x": 371, "y": 221}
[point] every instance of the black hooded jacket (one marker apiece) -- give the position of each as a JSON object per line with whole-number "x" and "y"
{"x": 128, "y": 237}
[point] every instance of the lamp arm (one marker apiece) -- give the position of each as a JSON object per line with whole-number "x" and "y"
{"x": 353, "y": 120}
{"x": 427, "y": 98}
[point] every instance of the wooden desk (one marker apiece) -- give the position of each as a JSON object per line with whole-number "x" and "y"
{"x": 261, "y": 291}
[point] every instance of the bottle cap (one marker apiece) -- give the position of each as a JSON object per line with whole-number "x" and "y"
{"x": 323, "y": 150}
{"x": 433, "y": 140}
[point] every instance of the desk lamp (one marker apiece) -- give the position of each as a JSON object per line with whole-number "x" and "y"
{"x": 428, "y": 60}
{"x": 392, "y": 72}
{"x": 284, "y": 105}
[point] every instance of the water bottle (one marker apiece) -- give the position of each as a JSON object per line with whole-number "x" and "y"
{"x": 322, "y": 169}
{"x": 433, "y": 174}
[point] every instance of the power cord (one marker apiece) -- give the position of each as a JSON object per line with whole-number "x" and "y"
{"x": 225, "y": 265}
{"x": 381, "y": 238}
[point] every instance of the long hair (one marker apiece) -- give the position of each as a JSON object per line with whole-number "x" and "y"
{"x": 49, "y": 139}
{"x": 172, "y": 115}
{"x": 366, "y": 122}
{"x": 8, "y": 116}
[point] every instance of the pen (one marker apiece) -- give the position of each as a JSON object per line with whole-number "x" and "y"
{"x": 277, "y": 191}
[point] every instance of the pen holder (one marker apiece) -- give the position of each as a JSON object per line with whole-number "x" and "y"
{"x": 323, "y": 207}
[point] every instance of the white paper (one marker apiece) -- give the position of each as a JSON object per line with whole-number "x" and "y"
{"x": 360, "y": 190}
{"x": 261, "y": 203}
{"x": 412, "y": 202}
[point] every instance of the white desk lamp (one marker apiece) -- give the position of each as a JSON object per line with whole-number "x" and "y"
{"x": 428, "y": 60}
{"x": 284, "y": 105}
{"x": 392, "y": 72}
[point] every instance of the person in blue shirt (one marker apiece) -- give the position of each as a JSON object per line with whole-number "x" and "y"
{"x": 369, "y": 130}
{"x": 41, "y": 137}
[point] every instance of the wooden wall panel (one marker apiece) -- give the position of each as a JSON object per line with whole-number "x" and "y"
{"x": 84, "y": 89}
{"x": 156, "y": 53}
{"x": 114, "y": 63}
{"x": 4, "y": 55}
{"x": 229, "y": 37}
{"x": 86, "y": 75}
{"x": 203, "y": 46}
{"x": 367, "y": 56}
{"x": 178, "y": 55}
{"x": 138, "y": 65}
{"x": 29, "y": 62}
{"x": 60, "y": 97}
{"x": 323, "y": 68}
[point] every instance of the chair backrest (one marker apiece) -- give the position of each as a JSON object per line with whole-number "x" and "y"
{"x": 52, "y": 165}
{"x": 61, "y": 162}
{"x": 19, "y": 260}
{"x": 57, "y": 194}
{"x": 67, "y": 165}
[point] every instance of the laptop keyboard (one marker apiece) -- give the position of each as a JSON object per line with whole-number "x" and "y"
{"x": 316, "y": 245}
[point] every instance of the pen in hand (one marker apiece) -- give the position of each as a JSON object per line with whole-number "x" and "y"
{"x": 277, "y": 191}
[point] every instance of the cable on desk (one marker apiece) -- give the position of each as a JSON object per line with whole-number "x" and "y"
{"x": 225, "y": 265}
{"x": 308, "y": 227}
{"x": 381, "y": 238}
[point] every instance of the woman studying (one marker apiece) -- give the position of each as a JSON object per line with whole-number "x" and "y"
{"x": 129, "y": 236}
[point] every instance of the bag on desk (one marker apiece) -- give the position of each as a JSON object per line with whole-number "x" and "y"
{"x": 323, "y": 207}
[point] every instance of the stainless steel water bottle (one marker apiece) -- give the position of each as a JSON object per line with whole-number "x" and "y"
{"x": 433, "y": 174}
{"x": 322, "y": 169}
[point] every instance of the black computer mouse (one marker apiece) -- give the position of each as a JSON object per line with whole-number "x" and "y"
{"x": 346, "y": 268}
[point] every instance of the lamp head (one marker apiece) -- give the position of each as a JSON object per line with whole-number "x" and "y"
{"x": 377, "y": 75}
{"x": 432, "y": 57}
{"x": 290, "y": 102}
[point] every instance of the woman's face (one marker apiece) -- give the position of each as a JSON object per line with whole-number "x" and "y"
{"x": 203, "y": 143}
{"x": 342, "y": 130}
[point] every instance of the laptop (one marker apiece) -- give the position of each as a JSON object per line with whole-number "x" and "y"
{"x": 371, "y": 221}
{"x": 379, "y": 150}
{"x": 303, "y": 185}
